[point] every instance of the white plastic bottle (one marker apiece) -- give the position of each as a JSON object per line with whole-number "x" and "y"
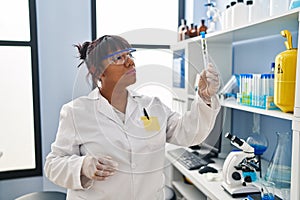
{"x": 227, "y": 17}
{"x": 240, "y": 14}
{"x": 249, "y": 4}
{"x": 259, "y": 10}
{"x": 232, "y": 5}
{"x": 278, "y": 6}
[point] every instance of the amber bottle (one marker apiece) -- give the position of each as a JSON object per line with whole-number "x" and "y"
{"x": 192, "y": 31}
{"x": 202, "y": 28}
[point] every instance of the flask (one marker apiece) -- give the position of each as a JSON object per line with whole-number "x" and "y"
{"x": 285, "y": 75}
{"x": 257, "y": 140}
{"x": 279, "y": 169}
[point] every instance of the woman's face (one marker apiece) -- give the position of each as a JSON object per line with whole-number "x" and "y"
{"x": 120, "y": 69}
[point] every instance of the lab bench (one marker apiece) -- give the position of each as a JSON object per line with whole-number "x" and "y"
{"x": 201, "y": 187}
{"x": 205, "y": 186}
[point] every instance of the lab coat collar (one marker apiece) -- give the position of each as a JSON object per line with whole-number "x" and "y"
{"x": 132, "y": 103}
{"x": 95, "y": 94}
{"x": 104, "y": 107}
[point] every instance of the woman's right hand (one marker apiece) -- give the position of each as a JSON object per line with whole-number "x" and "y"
{"x": 98, "y": 168}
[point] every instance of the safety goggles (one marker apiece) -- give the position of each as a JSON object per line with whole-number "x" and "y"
{"x": 119, "y": 57}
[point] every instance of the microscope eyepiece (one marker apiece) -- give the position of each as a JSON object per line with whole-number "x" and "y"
{"x": 234, "y": 139}
{"x": 228, "y": 135}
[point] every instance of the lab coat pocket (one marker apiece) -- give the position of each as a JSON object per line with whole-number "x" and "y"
{"x": 156, "y": 141}
{"x": 151, "y": 123}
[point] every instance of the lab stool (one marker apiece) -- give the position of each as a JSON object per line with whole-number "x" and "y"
{"x": 169, "y": 193}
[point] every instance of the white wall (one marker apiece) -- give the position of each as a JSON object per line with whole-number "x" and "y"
{"x": 60, "y": 23}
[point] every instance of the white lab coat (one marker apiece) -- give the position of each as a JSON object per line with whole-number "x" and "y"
{"x": 90, "y": 126}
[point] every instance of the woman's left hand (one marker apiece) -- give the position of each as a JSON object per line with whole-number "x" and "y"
{"x": 209, "y": 83}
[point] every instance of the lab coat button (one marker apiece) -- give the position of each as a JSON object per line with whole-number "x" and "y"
{"x": 133, "y": 165}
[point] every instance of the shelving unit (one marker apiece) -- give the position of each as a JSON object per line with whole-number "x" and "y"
{"x": 188, "y": 191}
{"x": 220, "y": 46}
{"x": 272, "y": 113}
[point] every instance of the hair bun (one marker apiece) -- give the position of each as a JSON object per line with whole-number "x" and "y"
{"x": 82, "y": 49}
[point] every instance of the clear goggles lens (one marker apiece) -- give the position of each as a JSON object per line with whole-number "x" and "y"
{"x": 119, "y": 57}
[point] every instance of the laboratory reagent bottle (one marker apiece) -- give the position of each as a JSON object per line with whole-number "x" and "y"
{"x": 259, "y": 10}
{"x": 240, "y": 14}
{"x": 278, "y": 7}
{"x": 182, "y": 29}
{"x": 203, "y": 27}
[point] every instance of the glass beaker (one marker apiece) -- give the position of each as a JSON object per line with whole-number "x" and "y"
{"x": 279, "y": 169}
{"x": 267, "y": 190}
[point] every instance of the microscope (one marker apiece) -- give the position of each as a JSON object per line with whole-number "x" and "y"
{"x": 236, "y": 163}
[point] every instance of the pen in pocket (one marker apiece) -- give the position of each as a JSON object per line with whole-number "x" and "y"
{"x": 146, "y": 114}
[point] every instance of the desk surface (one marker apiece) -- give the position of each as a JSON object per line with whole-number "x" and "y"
{"x": 211, "y": 189}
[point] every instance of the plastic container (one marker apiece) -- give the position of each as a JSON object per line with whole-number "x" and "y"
{"x": 231, "y": 86}
{"x": 249, "y": 4}
{"x": 294, "y": 4}
{"x": 278, "y": 6}
{"x": 240, "y": 13}
{"x": 259, "y": 10}
{"x": 227, "y": 17}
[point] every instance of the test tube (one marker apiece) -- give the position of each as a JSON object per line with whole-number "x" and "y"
{"x": 204, "y": 50}
{"x": 271, "y": 85}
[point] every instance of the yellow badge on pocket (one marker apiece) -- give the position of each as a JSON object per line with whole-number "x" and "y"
{"x": 151, "y": 124}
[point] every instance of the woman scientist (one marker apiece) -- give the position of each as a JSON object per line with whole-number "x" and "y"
{"x": 111, "y": 143}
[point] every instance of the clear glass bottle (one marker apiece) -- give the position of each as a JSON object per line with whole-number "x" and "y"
{"x": 279, "y": 169}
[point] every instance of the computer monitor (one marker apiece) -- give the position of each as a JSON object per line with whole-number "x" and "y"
{"x": 211, "y": 146}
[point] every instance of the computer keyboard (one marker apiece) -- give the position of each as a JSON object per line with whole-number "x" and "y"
{"x": 188, "y": 159}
